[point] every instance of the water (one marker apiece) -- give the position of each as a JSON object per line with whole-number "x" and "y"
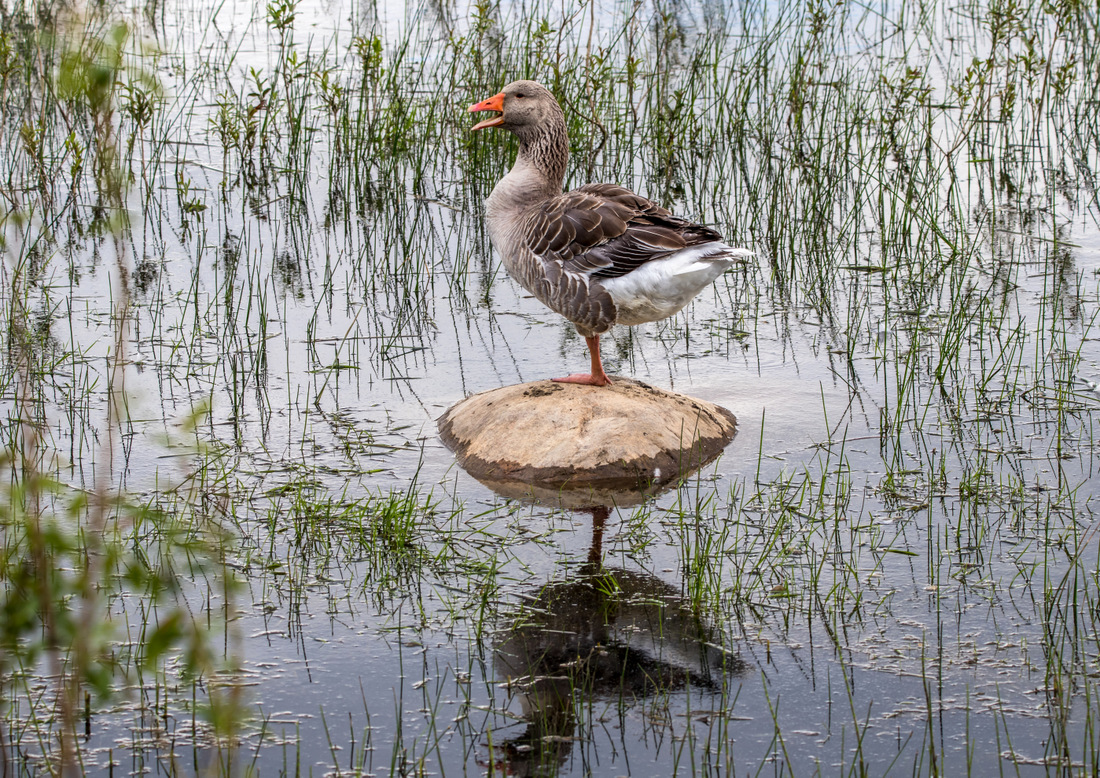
{"x": 890, "y": 568}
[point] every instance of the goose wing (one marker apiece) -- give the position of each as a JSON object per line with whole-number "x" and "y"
{"x": 606, "y": 231}
{"x": 599, "y": 231}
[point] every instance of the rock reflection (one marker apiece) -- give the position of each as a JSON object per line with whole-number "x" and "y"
{"x": 605, "y": 634}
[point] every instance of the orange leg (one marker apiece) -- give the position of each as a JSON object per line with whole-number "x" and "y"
{"x": 597, "y": 377}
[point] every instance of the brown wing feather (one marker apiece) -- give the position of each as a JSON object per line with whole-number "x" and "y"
{"x": 596, "y": 232}
{"x": 605, "y": 231}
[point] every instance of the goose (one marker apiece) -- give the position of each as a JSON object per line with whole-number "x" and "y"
{"x": 599, "y": 255}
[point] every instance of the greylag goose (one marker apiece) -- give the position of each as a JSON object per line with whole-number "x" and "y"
{"x": 599, "y": 255}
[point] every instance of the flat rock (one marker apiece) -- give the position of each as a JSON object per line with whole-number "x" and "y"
{"x": 552, "y": 437}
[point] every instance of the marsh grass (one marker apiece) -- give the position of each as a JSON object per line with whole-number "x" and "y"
{"x": 279, "y": 222}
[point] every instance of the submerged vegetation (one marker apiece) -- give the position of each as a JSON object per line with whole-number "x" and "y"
{"x": 244, "y": 269}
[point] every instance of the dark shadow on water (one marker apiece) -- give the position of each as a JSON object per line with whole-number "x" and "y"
{"x": 602, "y": 635}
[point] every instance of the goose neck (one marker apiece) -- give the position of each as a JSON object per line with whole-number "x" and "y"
{"x": 545, "y": 150}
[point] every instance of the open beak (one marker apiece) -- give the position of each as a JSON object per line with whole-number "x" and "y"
{"x": 494, "y": 103}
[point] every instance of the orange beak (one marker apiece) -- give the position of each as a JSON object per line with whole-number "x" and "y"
{"x": 494, "y": 103}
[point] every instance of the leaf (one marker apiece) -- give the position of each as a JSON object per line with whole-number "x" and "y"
{"x": 163, "y": 638}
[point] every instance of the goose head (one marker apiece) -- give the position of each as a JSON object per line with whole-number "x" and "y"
{"x": 526, "y": 108}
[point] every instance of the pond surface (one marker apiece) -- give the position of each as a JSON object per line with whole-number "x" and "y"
{"x": 891, "y": 569}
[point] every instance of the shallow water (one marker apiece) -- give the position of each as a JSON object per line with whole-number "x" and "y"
{"x": 892, "y": 567}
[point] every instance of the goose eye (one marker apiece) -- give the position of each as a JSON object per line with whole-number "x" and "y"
{"x": 519, "y": 95}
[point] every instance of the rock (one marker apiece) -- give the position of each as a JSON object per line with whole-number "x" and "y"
{"x": 542, "y": 438}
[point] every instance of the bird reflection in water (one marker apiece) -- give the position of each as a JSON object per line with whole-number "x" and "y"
{"x": 604, "y": 634}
